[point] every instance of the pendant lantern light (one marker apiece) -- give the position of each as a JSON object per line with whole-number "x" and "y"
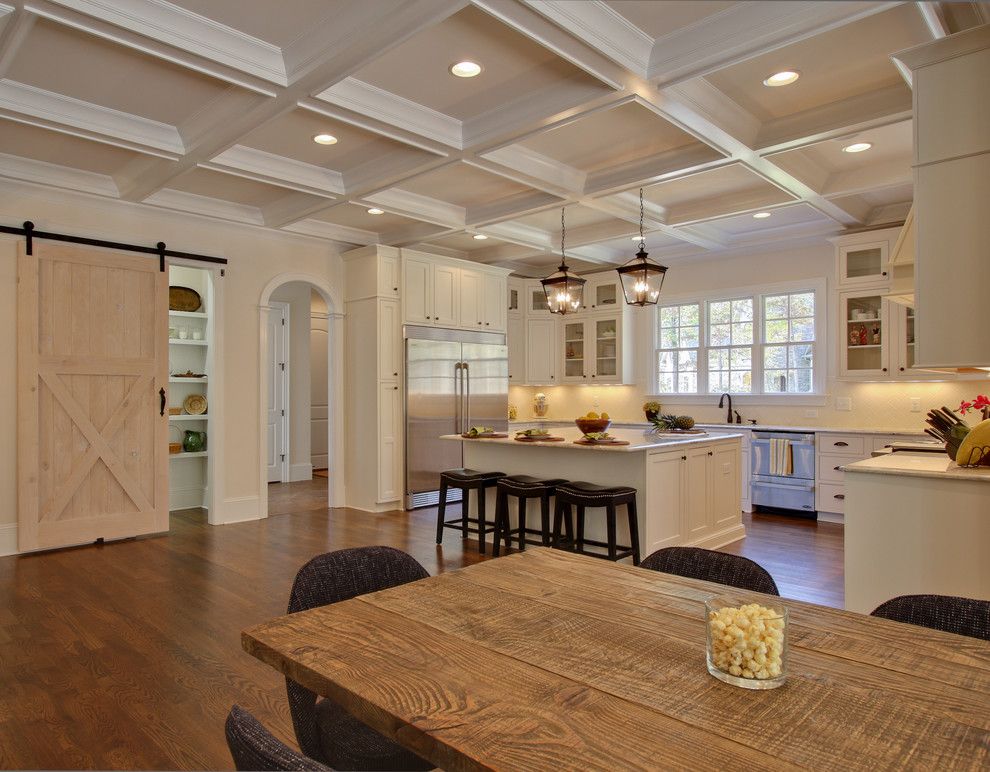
{"x": 642, "y": 279}
{"x": 563, "y": 289}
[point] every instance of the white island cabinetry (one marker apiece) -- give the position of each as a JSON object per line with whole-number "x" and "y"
{"x": 687, "y": 488}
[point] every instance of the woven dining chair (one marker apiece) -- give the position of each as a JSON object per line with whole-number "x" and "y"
{"x": 948, "y": 613}
{"x": 253, "y": 747}
{"x": 325, "y": 731}
{"x": 712, "y": 566}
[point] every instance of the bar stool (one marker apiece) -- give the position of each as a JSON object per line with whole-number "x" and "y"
{"x": 466, "y": 480}
{"x": 583, "y": 494}
{"x": 523, "y": 487}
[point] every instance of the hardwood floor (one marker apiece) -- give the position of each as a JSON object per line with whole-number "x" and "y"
{"x": 127, "y": 655}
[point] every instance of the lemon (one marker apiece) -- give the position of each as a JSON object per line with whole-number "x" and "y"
{"x": 604, "y": 416}
{"x": 592, "y": 414}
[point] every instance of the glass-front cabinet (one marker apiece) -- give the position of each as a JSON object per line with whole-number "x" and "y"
{"x": 603, "y": 293}
{"x": 593, "y": 349}
{"x": 863, "y": 263}
{"x": 863, "y": 334}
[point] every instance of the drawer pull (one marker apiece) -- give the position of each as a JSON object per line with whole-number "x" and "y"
{"x": 841, "y": 444}
{"x": 839, "y": 496}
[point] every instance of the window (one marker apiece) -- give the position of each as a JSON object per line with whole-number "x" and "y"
{"x": 677, "y": 357}
{"x": 755, "y": 342}
{"x": 789, "y": 336}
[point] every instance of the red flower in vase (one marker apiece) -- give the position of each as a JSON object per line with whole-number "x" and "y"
{"x": 980, "y": 403}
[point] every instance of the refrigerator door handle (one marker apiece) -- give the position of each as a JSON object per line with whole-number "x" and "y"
{"x": 467, "y": 395}
{"x": 458, "y": 421}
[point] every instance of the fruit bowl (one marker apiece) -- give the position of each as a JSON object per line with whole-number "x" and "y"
{"x": 592, "y": 425}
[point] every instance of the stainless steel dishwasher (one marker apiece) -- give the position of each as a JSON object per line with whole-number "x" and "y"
{"x": 775, "y": 489}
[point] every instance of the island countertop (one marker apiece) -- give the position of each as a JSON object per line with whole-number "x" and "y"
{"x": 638, "y": 440}
{"x": 936, "y": 465}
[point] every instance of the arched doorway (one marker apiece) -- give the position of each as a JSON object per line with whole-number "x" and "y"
{"x": 323, "y": 315}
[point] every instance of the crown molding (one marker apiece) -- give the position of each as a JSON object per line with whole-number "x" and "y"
{"x": 517, "y": 205}
{"x": 868, "y": 178}
{"x": 15, "y": 24}
{"x": 530, "y": 166}
{"x": 190, "y": 203}
{"x": 52, "y": 110}
{"x": 415, "y": 232}
{"x": 419, "y": 207}
{"x": 187, "y": 31}
{"x": 278, "y": 170}
{"x": 42, "y": 173}
{"x": 603, "y": 29}
{"x": 673, "y": 164}
{"x": 517, "y": 233}
{"x": 365, "y": 99}
{"x": 339, "y": 233}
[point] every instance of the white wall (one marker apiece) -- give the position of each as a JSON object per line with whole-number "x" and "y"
{"x": 874, "y": 405}
{"x": 298, "y": 296}
{"x": 256, "y": 256}
{"x": 319, "y": 385}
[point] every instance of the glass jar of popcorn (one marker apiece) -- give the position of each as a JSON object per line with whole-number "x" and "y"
{"x": 747, "y": 641}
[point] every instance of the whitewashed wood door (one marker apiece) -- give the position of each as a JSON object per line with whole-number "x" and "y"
{"x": 278, "y": 392}
{"x": 92, "y": 362}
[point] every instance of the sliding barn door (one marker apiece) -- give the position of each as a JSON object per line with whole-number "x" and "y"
{"x": 92, "y": 357}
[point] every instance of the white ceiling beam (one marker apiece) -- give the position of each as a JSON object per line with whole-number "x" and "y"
{"x": 934, "y": 19}
{"x": 333, "y": 232}
{"x": 414, "y": 233}
{"x": 275, "y": 169}
{"x": 518, "y": 205}
{"x": 848, "y": 116}
{"x": 730, "y": 205}
{"x": 15, "y": 24}
{"x": 30, "y": 170}
{"x": 191, "y": 203}
{"x": 419, "y": 207}
{"x": 532, "y": 168}
{"x": 657, "y": 168}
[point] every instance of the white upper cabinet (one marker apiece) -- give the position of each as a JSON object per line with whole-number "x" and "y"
{"x": 515, "y": 294}
{"x": 594, "y": 348}
{"x": 515, "y": 340}
{"x": 444, "y": 292}
{"x": 861, "y": 264}
{"x": 541, "y": 348}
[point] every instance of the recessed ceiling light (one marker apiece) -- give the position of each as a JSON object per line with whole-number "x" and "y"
{"x": 857, "y": 147}
{"x": 635, "y": 238}
{"x": 782, "y": 78}
{"x": 325, "y": 139}
{"x": 375, "y": 210}
{"x": 480, "y": 237}
{"x": 465, "y": 69}
{"x": 761, "y": 215}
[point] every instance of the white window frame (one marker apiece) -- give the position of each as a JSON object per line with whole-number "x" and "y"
{"x": 819, "y": 347}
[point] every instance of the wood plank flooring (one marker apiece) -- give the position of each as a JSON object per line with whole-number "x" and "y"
{"x": 127, "y": 655}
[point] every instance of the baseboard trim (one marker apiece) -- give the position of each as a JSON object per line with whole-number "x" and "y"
{"x": 300, "y": 472}
{"x": 239, "y": 510}
{"x": 8, "y": 540}
{"x": 832, "y": 517}
{"x": 186, "y": 498}
{"x": 720, "y": 539}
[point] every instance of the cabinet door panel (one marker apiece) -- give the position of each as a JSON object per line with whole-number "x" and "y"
{"x": 494, "y": 302}
{"x": 540, "y": 365}
{"x": 697, "y": 490}
{"x": 417, "y": 288}
{"x": 725, "y": 486}
{"x": 665, "y": 492}
{"x": 472, "y": 307}
{"x": 388, "y": 276}
{"x": 389, "y": 442}
{"x": 515, "y": 339}
{"x": 446, "y": 296}
{"x": 389, "y": 339}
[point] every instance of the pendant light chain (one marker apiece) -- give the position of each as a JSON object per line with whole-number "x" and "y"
{"x": 641, "y": 278}
{"x": 562, "y": 232}
{"x": 642, "y": 238}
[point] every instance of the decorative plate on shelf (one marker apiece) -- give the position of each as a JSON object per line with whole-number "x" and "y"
{"x": 184, "y": 299}
{"x": 194, "y": 404}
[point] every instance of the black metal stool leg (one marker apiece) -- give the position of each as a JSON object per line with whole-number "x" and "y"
{"x": 522, "y": 522}
{"x": 610, "y": 524}
{"x": 633, "y": 530}
{"x": 482, "y": 523}
{"x": 441, "y": 511}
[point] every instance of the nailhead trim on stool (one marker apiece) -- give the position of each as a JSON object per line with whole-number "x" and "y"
{"x": 466, "y": 480}
{"x": 523, "y": 487}
{"x": 584, "y": 494}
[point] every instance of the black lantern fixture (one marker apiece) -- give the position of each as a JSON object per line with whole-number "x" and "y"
{"x": 641, "y": 279}
{"x": 563, "y": 289}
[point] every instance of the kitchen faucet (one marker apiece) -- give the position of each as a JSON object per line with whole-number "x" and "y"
{"x": 721, "y": 399}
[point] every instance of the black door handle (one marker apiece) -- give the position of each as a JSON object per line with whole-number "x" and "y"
{"x": 161, "y": 393}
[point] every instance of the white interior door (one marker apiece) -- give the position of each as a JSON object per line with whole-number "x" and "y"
{"x": 278, "y": 352}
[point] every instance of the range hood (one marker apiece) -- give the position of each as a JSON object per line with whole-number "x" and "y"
{"x": 951, "y": 222}
{"x": 900, "y": 267}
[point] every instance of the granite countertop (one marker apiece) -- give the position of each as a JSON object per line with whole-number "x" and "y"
{"x": 739, "y": 427}
{"x": 638, "y": 440}
{"x": 907, "y": 464}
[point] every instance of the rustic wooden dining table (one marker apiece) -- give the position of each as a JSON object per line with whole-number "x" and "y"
{"x": 549, "y": 660}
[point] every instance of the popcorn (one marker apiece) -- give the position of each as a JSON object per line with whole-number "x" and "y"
{"x": 748, "y": 641}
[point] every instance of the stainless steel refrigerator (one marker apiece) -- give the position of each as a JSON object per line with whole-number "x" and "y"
{"x": 454, "y": 380}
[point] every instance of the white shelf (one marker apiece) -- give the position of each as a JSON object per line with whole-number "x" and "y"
{"x": 851, "y": 321}
{"x": 189, "y": 314}
{"x": 178, "y": 342}
{"x": 173, "y": 379}
{"x": 860, "y": 345}
{"x": 204, "y": 417}
{"x": 183, "y": 454}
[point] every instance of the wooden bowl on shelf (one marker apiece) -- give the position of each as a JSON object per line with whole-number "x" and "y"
{"x": 591, "y": 425}
{"x": 174, "y": 447}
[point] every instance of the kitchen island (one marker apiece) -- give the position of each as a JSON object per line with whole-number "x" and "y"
{"x": 916, "y": 523}
{"x": 687, "y": 485}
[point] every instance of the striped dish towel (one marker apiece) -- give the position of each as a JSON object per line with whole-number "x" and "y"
{"x": 781, "y": 457}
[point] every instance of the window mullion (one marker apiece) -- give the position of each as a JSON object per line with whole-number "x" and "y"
{"x": 759, "y": 341}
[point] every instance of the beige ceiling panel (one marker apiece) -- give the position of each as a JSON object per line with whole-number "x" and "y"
{"x": 895, "y": 194}
{"x": 735, "y": 180}
{"x": 354, "y": 216}
{"x": 463, "y": 185}
{"x": 891, "y": 145}
{"x": 657, "y": 19}
{"x": 62, "y": 149}
{"x": 610, "y": 138}
{"x": 847, "y": 61}
{"x": 513, "y": 66}
{"x": 577, "y": 217}
{"x": 292, "y": 134}
{"x": 796, "y": 215}
{"x": 278, "y": 23}
{"x": 85, "y": 67}
{"x": 228, "y": 187}
{"x": 465, "y": 242}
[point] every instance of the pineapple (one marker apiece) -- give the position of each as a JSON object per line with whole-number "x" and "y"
{"x": 665, "y": 422}
{"x": 684, "y": 422}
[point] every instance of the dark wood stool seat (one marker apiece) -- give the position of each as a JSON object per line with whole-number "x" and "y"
{"x": 584, "y": 494}
{"x": 523, "y": 487}
{"x": 466, "y": 480}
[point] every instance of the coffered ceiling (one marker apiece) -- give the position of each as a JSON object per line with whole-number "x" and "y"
{"x": 211, "y": 106}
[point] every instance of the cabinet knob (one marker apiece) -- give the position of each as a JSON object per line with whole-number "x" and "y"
{"x": 479, "y": 323}
{"x": 884, "y": 369}
{"x": 486, "y": 324}
{"x": 883, "y": 273}
{"x": 551, "y": 377}
{"x": 683, "y": 458}
{"x": 395, "y": 289}
{"x": 840, "y": 444}
{"x": 839, "y": 496}
{"x": 710, "y": 453}
{"x": 586, "y": 375}
{"x": 901, "y": 369}
{"x": 395, "y": 388}
{"x": 395, "y": 374}
{"x": 592, "y": 375}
